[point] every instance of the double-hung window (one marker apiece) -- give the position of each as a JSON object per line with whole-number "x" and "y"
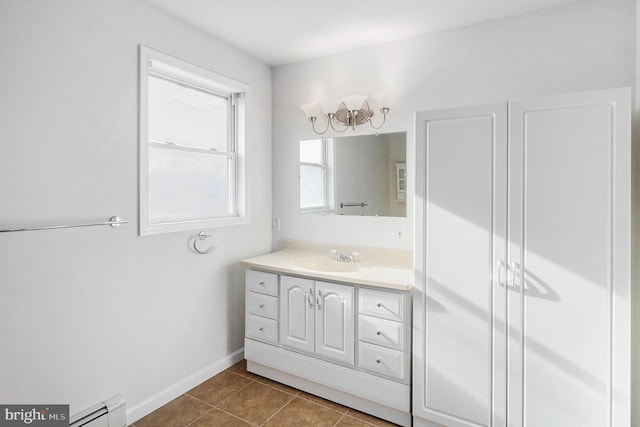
{"x": 316, "y": 177}
{"x": 191, "y": 146}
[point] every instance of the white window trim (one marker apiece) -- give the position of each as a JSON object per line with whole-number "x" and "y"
{"x": 328, "y": 177}
{"x": 170, "y": 67}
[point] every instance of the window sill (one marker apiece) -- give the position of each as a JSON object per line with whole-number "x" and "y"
{"x": 174, "y": 227}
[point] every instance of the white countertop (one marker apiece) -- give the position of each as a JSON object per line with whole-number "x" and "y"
{"x": 390, "y": 275}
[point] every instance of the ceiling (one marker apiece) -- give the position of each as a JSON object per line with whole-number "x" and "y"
{"x": 283, "y": 31}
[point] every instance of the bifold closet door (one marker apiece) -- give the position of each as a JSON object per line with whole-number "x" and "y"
{"x": 569, "y": 261}
{"x": 459, "y": 326}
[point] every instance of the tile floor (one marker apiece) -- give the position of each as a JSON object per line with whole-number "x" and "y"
{"x": 237, "y": 398}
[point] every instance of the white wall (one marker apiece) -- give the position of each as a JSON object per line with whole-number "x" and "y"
{"x": 581, "y": 46}
{"x": 86, "y": 313}
{"x": 576, "y": 47}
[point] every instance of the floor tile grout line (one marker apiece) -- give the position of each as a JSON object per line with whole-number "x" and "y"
{"x": 200, "y": 400}
{"x": 193, "y": 421}
{"x": 325, "y": 406}
{"x": 340, "y": 419}
{"x": 297, "y": 393}
{"x": 237, "y": 417}
{"x": 279, "y": 410}
{"x": 217, "y": 405}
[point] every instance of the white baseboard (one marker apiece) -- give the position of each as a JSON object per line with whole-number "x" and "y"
{"x": 165, "y": 396}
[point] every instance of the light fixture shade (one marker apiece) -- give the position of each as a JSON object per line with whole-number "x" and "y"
{"x": 354, "y": 102}
{"x": 310, "y": 110}
{"x": 380, "y": 100}
{"x": 330, "y": 106}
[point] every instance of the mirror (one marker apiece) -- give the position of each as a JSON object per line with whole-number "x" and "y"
{"x": 354, "y": 175}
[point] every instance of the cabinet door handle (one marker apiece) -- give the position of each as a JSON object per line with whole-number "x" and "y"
{"x": 309, "y": 300}
{"x": 318, "y": 300}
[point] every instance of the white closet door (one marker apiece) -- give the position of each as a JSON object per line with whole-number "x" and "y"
{"x": 569, "y": 261}
{"x": 459, "y": 326}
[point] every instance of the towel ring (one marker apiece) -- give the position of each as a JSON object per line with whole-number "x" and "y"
{"x": 202, "y": 236}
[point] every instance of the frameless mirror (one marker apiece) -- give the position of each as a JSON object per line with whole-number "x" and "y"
{"x": 354, "y": 175}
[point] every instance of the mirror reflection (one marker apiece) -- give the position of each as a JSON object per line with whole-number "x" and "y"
{"x": 354, "y": 175}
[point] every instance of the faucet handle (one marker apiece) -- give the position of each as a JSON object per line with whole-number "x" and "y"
{"x": 355, "y": 253}
{"x": 333, "y": 251}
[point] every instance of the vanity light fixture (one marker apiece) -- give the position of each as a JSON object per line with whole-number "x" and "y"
{"x": 345, "y": 113}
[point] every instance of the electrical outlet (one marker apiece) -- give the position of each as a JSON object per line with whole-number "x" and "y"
{"x": 275, "y": 225}
{"x": 400, "y": 233}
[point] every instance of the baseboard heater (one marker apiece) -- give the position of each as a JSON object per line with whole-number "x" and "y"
{"x": 109, "y": 413}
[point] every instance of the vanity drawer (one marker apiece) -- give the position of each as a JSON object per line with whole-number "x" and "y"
{"x": 387, "y": 305}
{"x": 261, "y": 282}
{"x": 262, "y": 305}
{"x": 262, "y": 329}
{"x": 381, "y": 332}
{"x": 381, "y": 360}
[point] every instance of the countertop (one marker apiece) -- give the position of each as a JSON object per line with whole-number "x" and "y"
{"x": 391, "y": 272}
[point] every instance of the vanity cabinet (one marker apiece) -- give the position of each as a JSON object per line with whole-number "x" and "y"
{"x": 383, "y": 334}
{"x": 262, "y": 306}
{"x": 521, "y": 309}
{"x": 317, "y": 317}
{"x": 345, "y": 342}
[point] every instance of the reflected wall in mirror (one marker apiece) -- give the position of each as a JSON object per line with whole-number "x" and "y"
{"x": 354, "y": 175}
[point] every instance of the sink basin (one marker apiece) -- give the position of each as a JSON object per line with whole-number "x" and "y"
{"x": 327, "y": 265}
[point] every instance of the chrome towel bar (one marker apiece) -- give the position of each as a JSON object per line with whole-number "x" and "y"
{"x": 114, "y": 222}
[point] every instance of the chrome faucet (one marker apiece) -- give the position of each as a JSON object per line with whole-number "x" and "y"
{"x": 344, "y": 256}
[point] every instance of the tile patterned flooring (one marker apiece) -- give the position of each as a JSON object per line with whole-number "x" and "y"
{"x": 237, "y": 398}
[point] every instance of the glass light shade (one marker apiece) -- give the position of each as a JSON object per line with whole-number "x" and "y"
{"x": 310, "y": 110}
{"x": 330, "y": 106}
{"x": 354, "y": 102}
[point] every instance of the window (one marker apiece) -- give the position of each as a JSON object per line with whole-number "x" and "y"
{"x": 191, "y": 146}
{"x": 316, "y": 179}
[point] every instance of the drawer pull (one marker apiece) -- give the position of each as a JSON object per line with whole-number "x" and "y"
{"x": 261, "y": 305}
{"x": 261, "y": 328}
{"x": 379, "y": 304}
{"x": 379, "y": 333}
{"x": 378, "y": 360}
{"x": 261, "y": 283}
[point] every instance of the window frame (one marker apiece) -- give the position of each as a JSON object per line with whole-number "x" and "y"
{"x": 160, "y": 65}
{"x": 327, "y": 174}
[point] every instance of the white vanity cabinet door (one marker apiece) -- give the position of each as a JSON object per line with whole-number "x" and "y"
{"x": 297, "y": 302}
{"x": 335, "y": 321}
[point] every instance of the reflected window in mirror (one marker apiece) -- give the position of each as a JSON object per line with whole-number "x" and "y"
{"x": 316, "y": 175}
{"x": 354, "y": 175}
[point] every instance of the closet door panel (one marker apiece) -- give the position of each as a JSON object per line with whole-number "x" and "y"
{"x": 458, "y": 354}
{"x": 562, "y": 287}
